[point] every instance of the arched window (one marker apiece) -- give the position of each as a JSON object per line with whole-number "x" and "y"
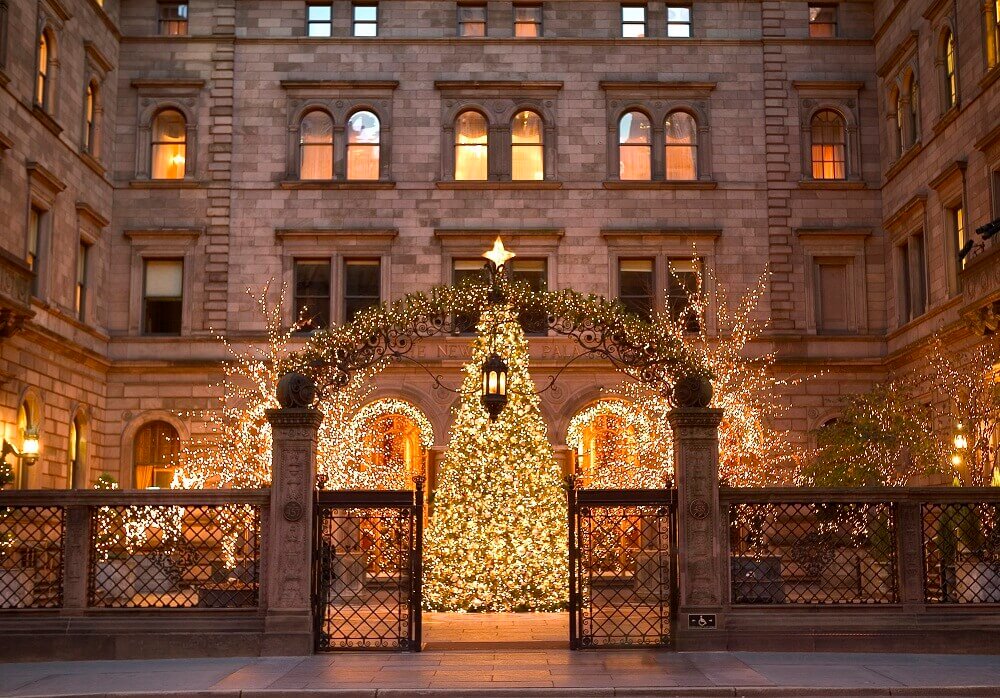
{"x": 316, "y": 146}
{"x": 27, "y": 426}
{"x": 617, "y": 445}
{"x": 829, "y": 141}
{"x": 363, "y": 136}
{"x": 896, "y": 99}
{"x": 913, "y": 90}
{"x": 635, "y": 150}
{"x": 681, "y": 134}
{"x": 77, "y": 476}
{"x": 950, "y": 73}
{"x": 527, "y": 154}
{"x": 44, "y": 58}
{"x": 991, "y": 20}
{"x": 89, "y": 120}
{"x": 154, "y": 455}
{"x": 471, "y": 146}
{"x": 169, "y": 145}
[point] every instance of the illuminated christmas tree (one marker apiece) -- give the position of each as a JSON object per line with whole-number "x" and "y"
{"x": 497, "y": 535}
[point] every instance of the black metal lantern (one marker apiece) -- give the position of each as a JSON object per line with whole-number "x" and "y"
{"x": 494, "y": 397}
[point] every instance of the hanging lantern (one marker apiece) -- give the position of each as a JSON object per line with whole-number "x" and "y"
{"x": 494, "y": 397}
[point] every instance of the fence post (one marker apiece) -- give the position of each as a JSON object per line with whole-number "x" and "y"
{"x": 288, "y": 623}
{"x": 702, "y": 549}
{"x": 76, "y": 557}
{"x": 910, "y": 552}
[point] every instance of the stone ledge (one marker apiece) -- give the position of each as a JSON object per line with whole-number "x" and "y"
{"x": 487, "y": 185}
{"x": 660, "y": 184}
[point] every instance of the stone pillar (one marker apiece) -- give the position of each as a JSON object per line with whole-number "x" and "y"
{"x": 701, "y": 549}
{"x": 76, "y": 558}
{"x": 288, "y": 623}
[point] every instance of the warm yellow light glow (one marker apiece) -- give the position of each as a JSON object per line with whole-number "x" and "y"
{"x": 956, "y": 459}
{"x": 30, "y": 446}
{"x": 498, "y": 255}
{"x": 961, "y": 441}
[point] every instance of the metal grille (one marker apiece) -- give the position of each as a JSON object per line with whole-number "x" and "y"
{"x": 813, "y": 553}
{"x": 165, "y": 556}
{"x": 31, "y": 557}
{"x": 368, "y": 570}
{"x": 962, "y": 552}
{"x": 621, "y": 567}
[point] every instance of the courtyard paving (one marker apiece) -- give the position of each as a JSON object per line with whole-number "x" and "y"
{"x": 514, "y": 656}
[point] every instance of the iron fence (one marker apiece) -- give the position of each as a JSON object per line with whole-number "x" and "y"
{"x": 622, "y": 569}
{"x": 31, "y": 556}
{"x": 367, "y": 569}
{"x": 962, "y": 552}
{"x": 174, "y": 555}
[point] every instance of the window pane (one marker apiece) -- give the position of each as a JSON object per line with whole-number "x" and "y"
{"x": 828, "y": 145}
{"x": 365, "y": 29}
{"x": 472, "y": 20}
{"x": 319, "y": 20}
{"x": 634, "y": 136}
{"x": 532, "y": 272}
{"x": 678, "y": 14}
{"x": 470, "y": 146}
{"x": 633, "y": 14}
{"x": 681, "y": 135}
{"x": 312, "y": 293}
{"x": 527, "y": 158}
{"x": 316, "y": 146}
{"x": 164, "y": 278}
{"x": 527, "y": 21}
{"x": 822, "y": 21}
{"x": 320, "y": 13}
{"x": 365, "y": 13}
{"x": 633, "y": 21}
{"x": 169, "y": 149}
{"x": 363, "y": 133}
{"x": 173, "y": 19}
{"x": 636, "y": 286}
{"x": 682, "y": 286}
{"x": 362, "y": 285}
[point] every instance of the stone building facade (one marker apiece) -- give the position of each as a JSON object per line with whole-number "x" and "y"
{"x": 857, "y": 230}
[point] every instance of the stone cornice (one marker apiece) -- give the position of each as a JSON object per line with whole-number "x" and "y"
{"x": 154, "y": 234}
{"x": 831, "y": 85}
{"x": 509, "y": 85}
{"x": 832, "y": 231}
{"x": 992, "y": 136}
{"x": 446, "y": 234}
{"x": 85, "y": 210}
{"x": 890, "y": 18}
{"x": 339, "y": 84}
{"x": 904, "y": 46}
{"x": 335, "y": 233}
{"x": 918, "y": 200}
{"x": 665, "y": 232}
{"x": 38, "y": 170}
{"x": 949, "y": 171}
{"x": 167, "y": 83}
{"x": 934, "y": 8}
{"x": 60, "y": 9}
{"x": 90, "y": 48}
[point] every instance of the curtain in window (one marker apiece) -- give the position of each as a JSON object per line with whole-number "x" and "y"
{"x": 634, "y": 146}
{"x": 169, "y": 145}
{"x": 316, "y": 146}
{"x": 682, "y": 146}
{"x": 154, "y": 454}
{"x": 527, "y": 156}
{"x": 828, "y": 145}
{"x": 43, "y": 69}
{"x": 470, "y": 146}
{"x": 363, "y": 134}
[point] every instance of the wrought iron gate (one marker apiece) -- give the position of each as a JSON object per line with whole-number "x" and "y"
{"x": 622, "y": 570}
{"x": 367, "y": 569}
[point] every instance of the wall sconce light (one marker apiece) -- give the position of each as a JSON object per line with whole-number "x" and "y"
{"x": 30, "y": 448}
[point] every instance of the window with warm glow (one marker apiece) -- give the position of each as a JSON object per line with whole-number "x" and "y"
{"x": 154, "y": 455}
{"x": 527, "y": 20}
{"x": 637, "y": 286}
{"x": 169, "y": 145}
{"x": 25, "y": 423}
{"x": 365, "y": 20}
{"x": 173, "y": 19}
{"x": 472, "y": 20}
{"x": 471, "y": 139}
{"x": 527, "y": 151}
{"x": 36, "y": 217}
{"x": 89, "y": 125}
{"x": 681, "y": 134}
{"x": 635, "y": 150}
{"x": 42, "y": 85}
{"x": 633, "y": 21}
{"x": 316, "y": 146}
{"x": 393, "y": 449}
{"x": 363, "y": 134}
{"x": 312, "y": 293}
{"x": 957, "y": 222}
{"x": 80, "y": 300}
{"x": 609, "y": 451}
{"x": 829, "y": 143}
{"x": 991, "y": 19}
{"x": 950, "y": 74}
{"x": 822, "y": 21}
{"x": 77, "y": 454}
{"x": 362, "y": 286}
{"x": 163, "y": 296}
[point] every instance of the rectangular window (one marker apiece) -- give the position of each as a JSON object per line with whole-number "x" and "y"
{"x": 633, "y": 21}
{"x": 173, "y": 17}
{"x": 682, "y": 288}
{"x": 679, "y": 21}
{"x": 911, "y": 287}
{"x": 831, "y": 298}
{"x": 81, "y": 280}
{"x": 533, "y": 272}
{"x": 527, "y": 20}
{"x": 362, "y": 286}
{"x": 956, "y": 217}
{"x": 163, "y": 284}
{"x": 319, "y": 19}
{"x": 312, "y": 293}
{"x": 36, "y": 217}
{"x": 468, "y": 270}
{"x": 637, "y": 286}
{"x": 472, "y": 20}
{"x": 822, "y": 21}
{"x": 365, "y": 20}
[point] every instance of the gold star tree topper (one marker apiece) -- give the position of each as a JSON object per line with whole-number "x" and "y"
{"x": 498, "y": 255}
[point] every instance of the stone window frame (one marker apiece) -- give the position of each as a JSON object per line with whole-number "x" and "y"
{"x": 90, "y": 226}
{"x": 155, "y": 96}
{"x": 529, "y": 243}
{"x": 945, "y": 29}
{"x": 661, "y": 244}
{"x": 458, "y": 18}
{"x": 657, "y": 100}
{"x": 43, "y": 191}
{"x": 903, "y": 135}
{"x": 339, "y": 99}
{"x": 164, "y": 243}
{"x": 80, "y": 421}
{"x": 50, "y": 22}
{"x": 843, "y": 98}
{"x": 30, "y": 398}
{"x": 950, "y": 187}
{"x": 990, "y": 28}
{"x": 846, "y": 246}
{"x": 95, "y": 73}
{"x": 906, "y": 223}
{"x": 337, "y": 245}
{"x": 499, "y": 102}
{"x": 126, "y": 476}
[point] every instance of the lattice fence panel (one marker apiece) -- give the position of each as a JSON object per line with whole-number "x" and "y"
{"x": 813, "y": 553}
{"x": 962, "y": 552}
{"x": 364, "y": 578}
{"x": 31, "y": 557}
{"x": 624, "y": 575}
{"x": 167, "y": 556}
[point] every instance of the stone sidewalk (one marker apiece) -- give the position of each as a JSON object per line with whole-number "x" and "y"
{"x": 518, "y": 674}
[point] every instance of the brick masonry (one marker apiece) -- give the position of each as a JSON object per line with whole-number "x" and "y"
{"x": 228, "y": 72}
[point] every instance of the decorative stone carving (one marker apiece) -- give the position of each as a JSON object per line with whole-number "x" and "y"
{"x": 293, "y": 511}
{"x": 295, "y": 391}
{"x": 693, "y": 391}
{"x": 699, "y": 509}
